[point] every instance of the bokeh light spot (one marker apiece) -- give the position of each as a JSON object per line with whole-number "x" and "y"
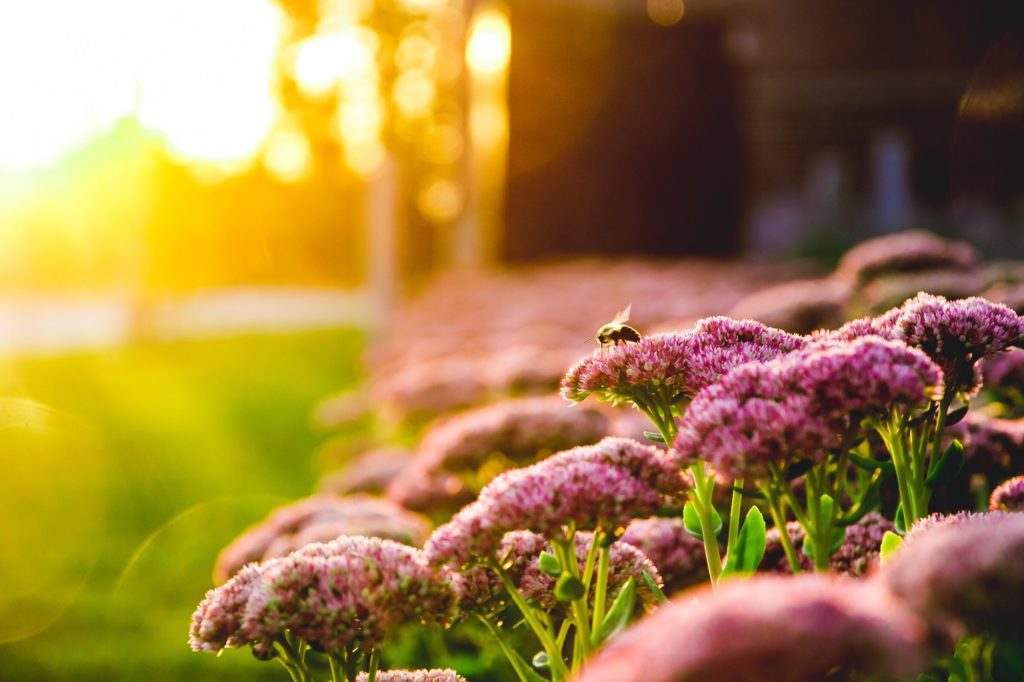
{"x": 665, "y": 12}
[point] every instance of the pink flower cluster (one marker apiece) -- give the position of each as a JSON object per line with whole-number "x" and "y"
{"x": 666, "y": 366}
{"x": 678, "y": 555}
{"x": 910, "y": 251}
{"x": 354, "y": 590}
{"x": 968, "y": 572}
{"x": 799, "y": 629}
{"x": 801, "y": 404}
{"x": 518, "y": 430}
{"x": 319, "y": 518}
{"x": 955, "y": 334}
{"x": 597, "y": 486}
{"x": 1008, "y": 496}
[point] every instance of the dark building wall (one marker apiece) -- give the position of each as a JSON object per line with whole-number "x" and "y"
{"x": 625, "y": 136}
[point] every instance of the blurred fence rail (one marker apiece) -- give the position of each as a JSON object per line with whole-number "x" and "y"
{"x": 34, "y": 324}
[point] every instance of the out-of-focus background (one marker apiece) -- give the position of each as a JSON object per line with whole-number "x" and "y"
{"x": 245, "y": 244}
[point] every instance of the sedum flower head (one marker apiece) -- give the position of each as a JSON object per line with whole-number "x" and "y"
{"x": 806, "y": 628}
{"x": 678, "y": 555}
{"x": 354, "y": 590}
{"x": 954, "y": 334}
{"x": 911, "y": 251}
{"x": 1004, "y": 372}
{"x": 518, "y": 430}
{"x": 602, "y": 485}
{"x": 319, "y": 518}
{"x": 677, "y": 364}
{"x": 217, "y": 620}
{"x": 968, "y": 571}
{"x": 1009, "y": 496}
{"x": 800, "y": 404}
{"x": 480, "y": 590}
{"x": 434, "y": 675}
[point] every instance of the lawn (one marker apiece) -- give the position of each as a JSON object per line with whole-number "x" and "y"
{"x": 124, "y": 471}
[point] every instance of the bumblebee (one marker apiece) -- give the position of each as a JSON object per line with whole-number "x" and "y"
{"x": 617, "y": 331}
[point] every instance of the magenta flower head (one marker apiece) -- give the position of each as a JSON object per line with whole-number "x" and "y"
{"x": 970, "y": 573}
{"x": 597, "y": 486}
{"x": 800, "y": 306}
{"x": 217, "y": 621}
{"x": 1004, "y": 372}
{"x": 956, "y": 334}
{"x": 911, "y": 251}
{"x": 478, "y": 588}
{"x": 434, "y": 675}
{"x": 354, "y": 590}
{"x": 1009, "y": 496}
{"x": 318, "y": 519}
{"x": 674, "y": 365}
{"x": 800, "y": 404}
{"x": 515, "y": 430}
{"x": 801, "y": 629}
{"x": 678, "y": 555}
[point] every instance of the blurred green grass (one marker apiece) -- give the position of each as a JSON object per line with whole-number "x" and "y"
{"x": 122, "y": 472}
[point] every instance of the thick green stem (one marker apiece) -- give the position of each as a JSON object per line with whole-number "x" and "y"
{"x": 566, "y": 551}
{"x": 601, "y": 588}
{"x": 819, "y": 532}
{"x": 335, "y": 670}
{"x": 893, "y": 435}
{"x": 701, "y": 498}
{"x": 735, "y": 508}
{"x": 559, "y": 671}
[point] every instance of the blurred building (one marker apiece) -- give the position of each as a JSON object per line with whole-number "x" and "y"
{"x": 714, "y": 125}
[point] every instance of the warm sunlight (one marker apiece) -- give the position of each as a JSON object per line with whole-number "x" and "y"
{"x": 490, "y": 42}
{"x": 198, "y": 75}
{"x": 63, "y": 77}
{"x": 207, "y": 74}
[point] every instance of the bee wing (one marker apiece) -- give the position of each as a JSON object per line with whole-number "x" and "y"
{"x": 623, "y": 315}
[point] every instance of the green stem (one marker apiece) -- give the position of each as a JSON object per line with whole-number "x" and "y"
{"x": 295, "y": 665}
{"x": 331, "y": 661}
{"x": 566, "y": 550}
{"x": 517, "y": 662}
{"x": 371, "y": 669}
{"x": 735, "y": 508}
{"x": 559, "y": 671}
{"x": 701, "y": 497}
{"x": 820, "y": 530}
{"x": 601, "y": 588}
{"x": 779, "y": 519}
{"x": 893, "y": 437}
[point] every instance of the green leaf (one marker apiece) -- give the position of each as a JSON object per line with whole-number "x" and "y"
{"x": 569, "y": 588}
{"x": 522, "y": 668}
{"x": 691, "y": 521}
{"x": 619, "y": 614}
{"x": 871, "y": 464}
{"x": 890, "y": 543}
{"x": 655, "y": 436}
{"x": 746, "y": 556}
{"x": 898, "y": 520}
{"x": 652, "y": 585}
{"x": 549, "y": 564}
{"x": 948, "y": 466}
{"x": 957, "y": 415}
{"x": 870, "y": 500}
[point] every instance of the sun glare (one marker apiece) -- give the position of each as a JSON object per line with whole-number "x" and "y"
{"x": 63, "y": 78}
{"x": 490, "y": 42}
{"x": 200, "y": 75}
{"x": 207, "y": 74}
